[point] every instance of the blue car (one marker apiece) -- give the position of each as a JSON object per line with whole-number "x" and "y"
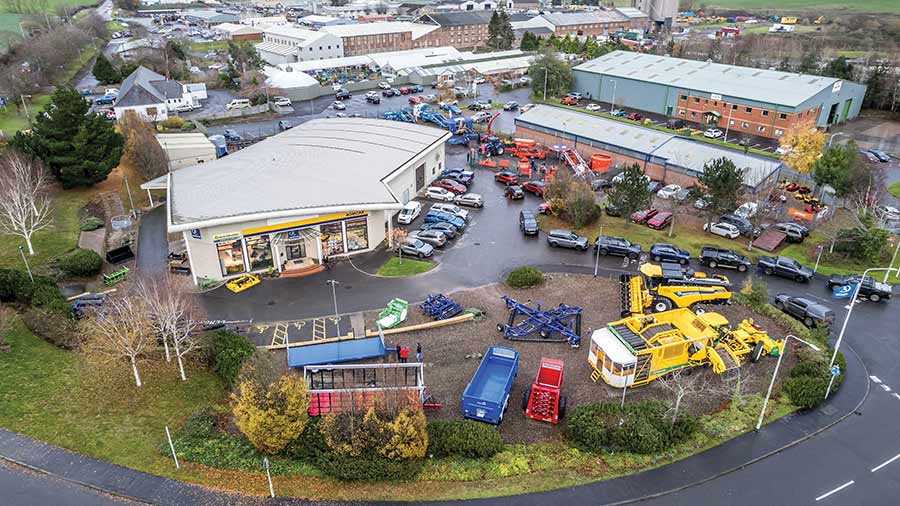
{"x": 452, "y": 109}
{"x": 442, "y": 217}
{"x": 666, "y": 252}
{"x": 465, "y": 177}
{"x": 105, "y": 100}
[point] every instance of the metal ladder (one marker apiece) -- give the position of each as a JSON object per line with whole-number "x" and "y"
{"x": 279, "y": 338}
{"x": 595, "y": 375}
{"x": 319, "y": 329}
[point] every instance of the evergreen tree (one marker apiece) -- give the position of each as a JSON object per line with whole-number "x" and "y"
{"x": 79, "y": 148}
{"x": 838, "y": 67}
{"x": 810, "y": 62}
{"x": 493, "y": 40}
{"x": 105, "y": 72}
{"x": 838, "y": 167}
{"x": 530, "y": 42}
{"x": 558, "y": 72}
{"x": 632, "y": 194}
{"x": 720, "y": 184}
{"x": 506, "y": 34}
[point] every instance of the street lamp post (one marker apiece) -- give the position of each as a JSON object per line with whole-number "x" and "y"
{"x": 840, "y": 338}
{"x": 762, "y": 412}
{"x": 832, "y": 138}
{"x": 893, "y": 259}
{"x": 597, "y": 261}
{"x": 337, "y": 318}
{"x": 546, "y": 71}
{"x": 612, "y": 105}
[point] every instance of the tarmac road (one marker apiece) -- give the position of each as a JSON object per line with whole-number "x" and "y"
{"x": 23, "y": 487}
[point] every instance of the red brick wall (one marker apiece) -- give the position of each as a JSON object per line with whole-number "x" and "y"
{"x": 759, "y": 121}
{"x": 365, "y": 44}
{"x": 248, "y": 36}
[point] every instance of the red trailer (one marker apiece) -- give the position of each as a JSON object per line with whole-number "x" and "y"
{"x": 543, "y": 400}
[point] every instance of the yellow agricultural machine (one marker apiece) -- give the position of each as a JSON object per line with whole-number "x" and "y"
{"x": 638, "y": 349}
{"x": 668, "y": 285}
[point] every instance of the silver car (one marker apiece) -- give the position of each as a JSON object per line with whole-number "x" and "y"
{"x": 433, "y": 237}
{"x": 567, "y": 239}
{"x": 469, "y": 199}
{"x": 415, "y": 247}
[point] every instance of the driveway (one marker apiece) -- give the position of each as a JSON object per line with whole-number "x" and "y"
{"x": 153, "y": 246}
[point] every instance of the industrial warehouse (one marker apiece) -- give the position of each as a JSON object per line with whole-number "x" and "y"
{"x": 764, "y": 103}
{"x": 663, "y": 156}
{"x": 326, "y": 188}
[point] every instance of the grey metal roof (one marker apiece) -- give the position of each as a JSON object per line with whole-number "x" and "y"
{"x": 767, "y": 86}
{"x": 460, "y": 18}
{"x": 536, "y": 30}
{"x": 320, "y": 163}
{"x": 145, "y": 87}
{"x": 583, "y": 18}
{"x": 691, "y": 154}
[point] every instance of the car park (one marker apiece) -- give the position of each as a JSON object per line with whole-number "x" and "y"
{"x": 880, "y": 155}
{"x": 743, "y": 225}
{"x": 410, "y": 211}
{"x": 514, "y": 192}
{"x": 510, "y": 106}
{"x": 505, "y": 176}
{"x": 722, "y": 229}
{"x": 438, "y": 216}
{"x": 232, "y": 135}
{"x": 449, "y": 184}
{"x": 869, "y": 288}
{"x": 469, "y": 199}
{"x": 452, "y": 209}
{"x": 668, "y": 191}
{"x": 435, "y": 238}
{"x": 641, "y": 217}
{"x": 809, "y": 312}
{"x": 342, "y": 94}
{"x": 282, "y": 101}
{"x": 567, "y": 239}
{"x": 712, "y": 133}
{"x": 337, "y": 105}
{"x": 618, "y": 246}
{"x": 666, "y": 252}
{"x": 660, "y": 221}
{"x": 415, "y": 247}
{"x": 437, "y": 193}
{"x": 535, "y": 187}
{"x": 284, "y": 125}
{"x": 784, "y": 267}
{"x": 593, "y": 107}
{"x": 718, "y": 257}
{"x": 448, "y": 229}
{"x": 528, "y": 222}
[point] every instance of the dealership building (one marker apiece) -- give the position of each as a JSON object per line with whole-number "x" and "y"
{"x": 323, "y": 189}
{"x": 764, "y": 103}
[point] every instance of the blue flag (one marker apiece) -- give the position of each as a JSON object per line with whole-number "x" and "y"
{"x": 843, "y": 292}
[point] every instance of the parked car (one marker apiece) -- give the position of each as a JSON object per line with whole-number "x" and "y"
{"x": 342, "y": 94}
{"x": 600, "y": 183}
{"x": 413, "y": 100}
{"x": 232, "y": 135}
{"x": 613, "y": 210}
{"x": 184, "y": 107}
{"x": 666, "y": 252}
{"x": 435, "y": 238}
{"x": 668, "y": 191}
{"x": 452, "y": 209}
{"x": 743, "y": 225}
{"x": 535, "y": 187}
{"x": 479, "y": 80}
{"x": 887, "y": 213}
{"x": 675, "y": 123}
{"x": 337, "y": 105}
{"x": 410, "y": 211}
{"x": 702, "y": 202}
{"x": 438, "y": 193}
{"x": 641, "y": 217}
{"x": 469, "y": 199}
{"x": 792, "y": 234}
{"x": 634, "y": 117}
{"x": 514, "y": 192}
{"x": 449, "y": 184}
{"x": 505, "y": 176}
{"x": 481, "y": 117}
{"x": 575, "y": 95}
{"x": 660, "y": 221}
{"x": 447, "y": 228}
{"x": 717, "y": 257}
{"x": 870, "y": 289}
{"x": 723, "y": 229}
{"x": 106, "y": 100}
{"x": 526, "y": 107}
{"x": 404, "y": 90}
{"x": 592, "y": 107}
{"x": 389, "y": 92}
{"x": 868, "y": 156}
{"x": 544, "y": 208}
{"x": 479, "y": 106}
{"x": 384, "y": 85}
{"x": 416, "y": 88}
{"x": 373, "y": 99}
{"x": 880, "y": 155}
{"x": 712, "y": 133}
{"x": 438, "y": 216}
{"x": 567, "y": 239}
{"x": 511, "y": 106}
{"x": 747, "y": 210}
{"x": 465, "y": 177}
{"x": 284, "y": 125}
{"x": 528, "y": 222}
{"x": 654, "y": 186}
{"x": 569, "y": 101}
{"x": 282, "y": 101}
{"x": 809, "y": 312}
{"x": 619, "y": 113}
{"x": 784, "y": 267}
{"x": 415, "y": 247}
{"x": 618, "y": 246}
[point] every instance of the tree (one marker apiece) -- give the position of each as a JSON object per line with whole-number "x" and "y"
{"x": 838, "y": 67}
{"x": 556, "y": 73}
{"x": 572, "y": 199}
{"x": 142, "y": 150}
{"x": 507, "y": 35}
{"x": 80, "y": 149}
{"x": 680, "y": 385}
{"x": 121, "y": 329}
{"x": 838, "y": 168}
{"x": 632, "y": 194}
{"x": 805, "y": 148}
{"x": 24, "y": 205}
{"x": 271, "y": 416}
{"x": 500, "y": 33}
{"x": 244, "y": 55}
{"x": 105, "y": 72}
{"x": 809, "y": 64}
{"x": 530, "y": 42}
{"x": 719, "y": 185}
{"x": 174, "y": 314}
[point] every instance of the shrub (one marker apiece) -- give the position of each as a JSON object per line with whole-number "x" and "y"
{"x": 81, "y": 262}
{"x": 172, "y": 123}
{"x": 15, "y": 286}
{"x": 272, "y": 417}
{"x": 809, "y": 379}
{"x": 91, "y": 223}
{"x": 466, "y": 438}
{"x": 310, "y": 446}
{"x": 806, "y": 392}
{"x": 755, "y": 292}
{"x": 229, "y": 350}
{"x": 525, "y": 277}
{"x": 55, "y": 327}
{"x": 368, "y": 467}
{"x": 188, "y": 126}
{"x": 642, "y": 428}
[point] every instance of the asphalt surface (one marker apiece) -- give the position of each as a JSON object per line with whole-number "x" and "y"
{"x": 23, "y": 487}
{"x": 153, "y": 246}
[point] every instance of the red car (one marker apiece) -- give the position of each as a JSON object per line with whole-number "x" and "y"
{"x": 569, "y": 101}
{"x": 544, "y": 208}
{"x": 505, "y": 176}
{"x": 449, "y": 184}
{"x": 660, "y": 221}
{"x": 416, "y": 100}
{"x": 634, "y": 117}
{"x": 643, "y": 216}
{"x": 535, "y": 187}
{"x": 405, "y": 91}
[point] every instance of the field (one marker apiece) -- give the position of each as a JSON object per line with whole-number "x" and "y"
{"x": 894, "y": 189}
{"x": 811, "y": 6}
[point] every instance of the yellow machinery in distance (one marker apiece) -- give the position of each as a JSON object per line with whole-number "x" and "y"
{"x": 668, "y": 285}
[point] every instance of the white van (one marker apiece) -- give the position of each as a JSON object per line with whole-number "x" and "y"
{"x": 410, "y": 211}
{"x": 238, "y": 103}
{"x": 452, "y": 209}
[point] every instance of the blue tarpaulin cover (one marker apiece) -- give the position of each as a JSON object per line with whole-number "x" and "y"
{"x": 335, "y": 352}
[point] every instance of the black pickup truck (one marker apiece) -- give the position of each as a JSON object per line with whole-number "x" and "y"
{"x": 785, "y": 267}
{"x": 870, "y": 289}
{"x": 718, "y": 257}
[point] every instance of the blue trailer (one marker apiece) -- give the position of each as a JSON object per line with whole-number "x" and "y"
{"x": 487, "y": 395}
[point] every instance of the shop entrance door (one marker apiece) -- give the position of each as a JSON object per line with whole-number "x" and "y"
{"x": 296, "y": 251}
{"x": 420, "y": 177}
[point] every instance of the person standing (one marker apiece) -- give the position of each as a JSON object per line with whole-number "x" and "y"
{"x": 404, "y": 353}
{"x": 398, "y": 351}
{"x": 418, "y": 352}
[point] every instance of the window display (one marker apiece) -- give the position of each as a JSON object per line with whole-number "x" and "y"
{"x": 332, "y": 239}
{"x": 260, "y": 252}
{"x": 357, "y": 234}
{"x": 231, "y": 257}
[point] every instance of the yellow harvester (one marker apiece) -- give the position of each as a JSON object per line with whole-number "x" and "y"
{"x": 636, "y": 350}
{"x": 668, "y": 285}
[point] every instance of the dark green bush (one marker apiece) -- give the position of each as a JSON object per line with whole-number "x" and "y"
{"x": 81, "y": 262}
{"x": 16, "y": 286}
{"x": 310, "y": 446}
{"x": 810, "y": 377}
{"x": 806, "y": 392}
{"x": 642, "y": 428}
{"x": 525, "y": 277}
{"x": 368, "y": 467}
{"x": 91, "y": 223}
{"x": 466, "y": 438}
{"x": 229, "y": 351}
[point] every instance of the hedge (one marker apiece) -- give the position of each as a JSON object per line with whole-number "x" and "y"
{"x": 81, "y": 262}
{"x": 17, "y": 287}
{"x": 525, "y": 277}
{"x": 642, "y": 428}
{"x": 229, "y": 351}
{"x": 466, "y": 438}
{"x": 809, "y": 378}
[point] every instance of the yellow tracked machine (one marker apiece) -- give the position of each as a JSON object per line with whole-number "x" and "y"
{"x": 668, "y": 285}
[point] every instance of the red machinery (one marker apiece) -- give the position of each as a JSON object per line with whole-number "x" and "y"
{"x": 543, "y": 400}
{"x": 527, "y": 148}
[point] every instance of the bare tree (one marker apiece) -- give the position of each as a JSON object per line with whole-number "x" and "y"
{"x": 24, "y": 204}
{"x": 141, "y": 147}
{"x": 119, "y": 329}
{"x": 682, "y": 384}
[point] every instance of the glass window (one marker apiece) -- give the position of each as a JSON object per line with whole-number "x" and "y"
{"x": 765, "y": 113}
{"x": 231, "y": 257}
{"x": 745, "y": 125}
{"x": 260, "y": 252}
{"x": 696, "y": 100}
{"x": 332, "y": 239}
{"x": 357, "y": 234}
{"x": 748, "y": 110}
{"x": 607, "y": 363}
{"x": 782, "y": 116}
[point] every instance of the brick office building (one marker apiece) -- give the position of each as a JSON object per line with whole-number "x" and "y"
{"x": 751, "y": 101}
{"x": 462, "y": 30}
{"x": 367, "y": 38}
{"x": 593, "y": 23}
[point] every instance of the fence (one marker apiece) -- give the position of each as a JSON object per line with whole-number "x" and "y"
{"x": 233, "y": 113}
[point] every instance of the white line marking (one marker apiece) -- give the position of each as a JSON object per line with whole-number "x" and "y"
{"x": 895, "y": 457}
{"x": 885, "y": 387}
{"x": 842, "y": 487}
{"x": 875, "y": 378}
{"x": 896, "y": 395}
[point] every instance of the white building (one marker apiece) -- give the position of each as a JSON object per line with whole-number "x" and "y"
{"x": 359, "y": 8}
{"x": 186, "y": 149}
{"x": 469, "y": 5}
{"x": 328, "y": 188}
{"x": 265, "y": 22}
{"x": 288, "y": 44}
{"x": 152, "y": 96}
{"x": 234, "y": 31}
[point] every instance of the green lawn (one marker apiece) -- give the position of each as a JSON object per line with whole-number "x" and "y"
{"x": 203, "y": 47}
{"x": 396, "y": 267}
{"x": 816, "y": 6}
{"x": 13, "y": 119}
{"x": 894, "y": 189}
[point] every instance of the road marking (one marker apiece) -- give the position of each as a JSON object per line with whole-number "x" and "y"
{"x": 875, "y": 378}
{"x": 895, "y": 457}
{"x": 885, "y": 387}
{"x": 842, "y": 487}
{"x": 896, "y": 395}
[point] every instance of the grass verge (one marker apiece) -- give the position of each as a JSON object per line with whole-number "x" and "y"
{"x": 203, "y": 47}
{"x": 13, "y": 119}
{"x": 894, "y": 189}
{"x": 396, "y": 267}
